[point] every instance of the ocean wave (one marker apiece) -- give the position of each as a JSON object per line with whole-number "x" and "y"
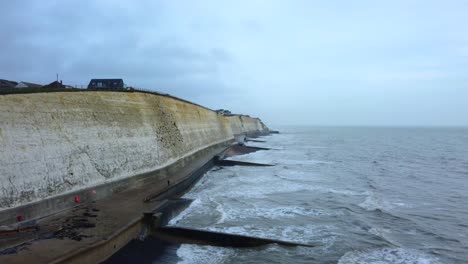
{"x": 275, "y": 213}
{"x": 322, "y": 235}
{"x": 388, "y": 255}
{"x": 373, "y": 202}
{"x": 381, "y": 207}
{"x": 203, "y": 254}
{"x": 182, "y": 215}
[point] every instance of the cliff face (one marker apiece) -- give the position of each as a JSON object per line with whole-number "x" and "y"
{"x": 242, "y": 124}
{"x": 53, "y": 143}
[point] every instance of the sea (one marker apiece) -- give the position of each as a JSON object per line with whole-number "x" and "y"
{"x": 359, "y": 194}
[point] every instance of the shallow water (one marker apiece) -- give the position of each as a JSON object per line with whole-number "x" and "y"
{"x": 364, "y": 195}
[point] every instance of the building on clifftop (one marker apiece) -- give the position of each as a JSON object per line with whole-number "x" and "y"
{"x": 112, "y": 84}
{"x": 55, "y": 84}
{"x": 7, "y": 84}
{"x": 224, "y": 112}
{"x": 28, "y": 85}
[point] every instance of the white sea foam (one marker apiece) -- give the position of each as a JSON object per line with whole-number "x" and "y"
{"x": 388, "y": 255}
{"x": 277, "y": 156}
{"x": 381, "y": 232}
{"x": 216, "y": 192}
{"x": 202, "y": 254}
{"x": 401, "y": 204}
{"x": 222, "y": 213}
{"x": 323, "y": 235}
{"x": 230, "y": 214}
{"x": 286, "y": 212}
{"x": 260, "y": 182}
{"x": 373, "y": 202}
{"x": 186, "y": 212}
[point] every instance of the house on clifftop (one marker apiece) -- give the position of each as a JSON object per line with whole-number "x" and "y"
{"x": 112, "y": 84}
{"x": 28, "y": 85}
{"x": 224, "y": 112}
{"x": 55, "y": 84}
{"x": 7, "y": 84}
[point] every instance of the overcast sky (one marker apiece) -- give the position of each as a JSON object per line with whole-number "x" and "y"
{"x": 287, "y": 62}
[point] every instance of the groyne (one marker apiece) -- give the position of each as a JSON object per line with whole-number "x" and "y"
{"x": 58, "y": 146}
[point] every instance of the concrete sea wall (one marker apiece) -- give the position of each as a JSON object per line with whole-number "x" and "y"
{"x": 56, "y": 143}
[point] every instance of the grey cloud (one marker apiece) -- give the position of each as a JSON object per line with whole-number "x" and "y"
{"x": 83, "y": 39}
{"x": 291, "y": 63}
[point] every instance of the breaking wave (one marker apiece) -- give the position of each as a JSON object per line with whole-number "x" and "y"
{"x": 388, "y": 255}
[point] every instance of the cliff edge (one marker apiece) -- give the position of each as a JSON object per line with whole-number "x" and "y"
{"x": 57, "y": 143}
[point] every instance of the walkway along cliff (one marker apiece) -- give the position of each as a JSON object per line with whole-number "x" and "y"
{"x": 62, "y": 152}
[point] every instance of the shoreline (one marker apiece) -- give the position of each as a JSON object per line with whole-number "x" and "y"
{"x": 109, "y": 228}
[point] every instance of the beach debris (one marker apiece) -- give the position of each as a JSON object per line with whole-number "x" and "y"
{"x": 74, "y": 226}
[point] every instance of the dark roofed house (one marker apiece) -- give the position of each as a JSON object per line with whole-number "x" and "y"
{"x": 106, "y": 84}
{"x": 224, "y": 112}
{"x": 55, "y": 84}
{"x": 7, "y": 84}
